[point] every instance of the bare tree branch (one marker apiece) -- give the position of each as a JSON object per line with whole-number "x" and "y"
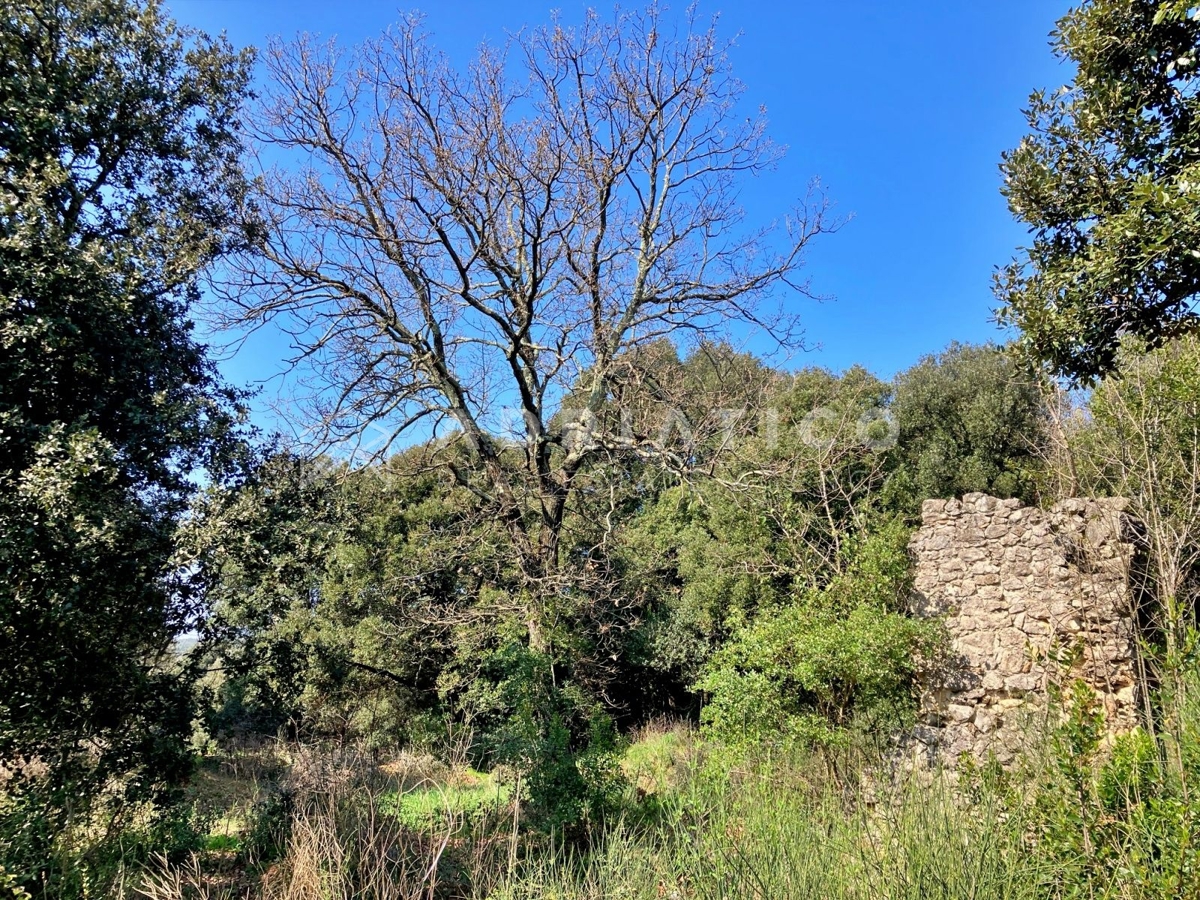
{"x": 447, "y": 244}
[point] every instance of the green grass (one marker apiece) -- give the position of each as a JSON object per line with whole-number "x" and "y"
{"x": 776, "y": 832}
{"x": 1081, "y": 818}
{"x": 655, "y": 764}
{"x": 221, "y": 843}
{"x": 430, "y": 805}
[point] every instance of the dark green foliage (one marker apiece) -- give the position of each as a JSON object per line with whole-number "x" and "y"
{"x": 372, "y": 605}
{"x": 117, "y": 174}
{"x": 842, "y": 656}
{"x": 261, "y": 550}
{"x": 50, "y": 861}
{"x": 1114, "y": 820}
{"x": 1108, "y": 181}
{"x": 969, "y": 419}
{"x": 333, "y": 595}
{"x": 700, "y": 560}
{"x": 381, "y": 603}
{"x": 560, "y": 740}
{"x": 270, "y": 824}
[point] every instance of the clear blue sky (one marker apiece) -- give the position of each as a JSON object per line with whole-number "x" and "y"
{"x": 900, "y": 108}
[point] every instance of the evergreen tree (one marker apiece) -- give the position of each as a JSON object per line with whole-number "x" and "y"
{"x": 118, "y": 169}
{"x": 1108, "y": 181}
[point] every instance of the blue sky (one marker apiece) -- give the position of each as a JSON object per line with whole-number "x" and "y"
{"x": 901, "y": 109}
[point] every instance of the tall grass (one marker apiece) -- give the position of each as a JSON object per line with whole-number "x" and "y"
{"x": 776, "y": 835}
{"x": 325, "y": 832}
{"x": 1083, "y": 817}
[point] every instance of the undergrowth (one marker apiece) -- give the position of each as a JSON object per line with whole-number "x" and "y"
{"x": 1081, "y": 816}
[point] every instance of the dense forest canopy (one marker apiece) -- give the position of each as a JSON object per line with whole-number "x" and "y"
{"x": 365, "y": 561}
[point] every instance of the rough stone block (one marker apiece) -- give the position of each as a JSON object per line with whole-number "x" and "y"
{"x": 1011, "y": 581}
{"x": 985, "y": 721}
{"x": 1025, "y": 682}
{"x": 956, "y": 712}
{"x": 931, "y": 509}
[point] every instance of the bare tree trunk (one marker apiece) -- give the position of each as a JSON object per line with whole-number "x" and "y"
{"x": 442, "y": 245}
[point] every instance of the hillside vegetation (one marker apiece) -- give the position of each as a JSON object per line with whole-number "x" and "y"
{"x": 569, "y": 594}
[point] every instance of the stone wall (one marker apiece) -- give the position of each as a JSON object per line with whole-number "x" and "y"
{"x": 1029, "y": 597}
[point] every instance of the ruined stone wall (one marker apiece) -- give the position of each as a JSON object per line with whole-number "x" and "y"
{"x": 1029, "y": 597}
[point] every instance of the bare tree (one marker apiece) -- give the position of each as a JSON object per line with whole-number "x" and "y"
{"x": 442, "y": 245}
{"x": 1138, "y": 437}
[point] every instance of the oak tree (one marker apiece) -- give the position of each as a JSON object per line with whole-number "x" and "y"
{"x": 118, "y": 168}
{"x": 442, "y": 244}
{"x": 1108, "y": 181}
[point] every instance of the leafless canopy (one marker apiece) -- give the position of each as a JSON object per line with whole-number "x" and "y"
{"x": 445, "y": 244}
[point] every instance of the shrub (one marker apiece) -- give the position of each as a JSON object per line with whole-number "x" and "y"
{"x": 1111, "y": 818}
{"x": 561, "y": 742}
{"x": 841, "y": 657}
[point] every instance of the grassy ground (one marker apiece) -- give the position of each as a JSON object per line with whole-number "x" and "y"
{"x": 1080, "y": 819}
{"x": 463, "y": 793}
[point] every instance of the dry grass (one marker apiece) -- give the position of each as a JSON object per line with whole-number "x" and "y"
{"x": 336, "y": 842}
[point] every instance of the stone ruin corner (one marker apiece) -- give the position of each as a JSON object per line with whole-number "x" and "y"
{"x": 1029, "y": 598}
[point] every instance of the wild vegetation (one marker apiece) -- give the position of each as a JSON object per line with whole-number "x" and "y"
{"x": 614, "y": 608}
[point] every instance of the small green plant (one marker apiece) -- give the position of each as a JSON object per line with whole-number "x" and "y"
{"x": 221, "y": 843}
{"x": 1107, "y": 816}
{"x": 10, "y": 886}
{"x": 270, "y": 826}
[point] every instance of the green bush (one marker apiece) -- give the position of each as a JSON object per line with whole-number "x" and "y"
{"x": 1108, "y": 818}
{"x": 839, "y": 658}
{"x": 50, "y": 854}
{"x": 812, "y": 673}
{"x": 560, "y": 741}
{"x": 270, "y": 825}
